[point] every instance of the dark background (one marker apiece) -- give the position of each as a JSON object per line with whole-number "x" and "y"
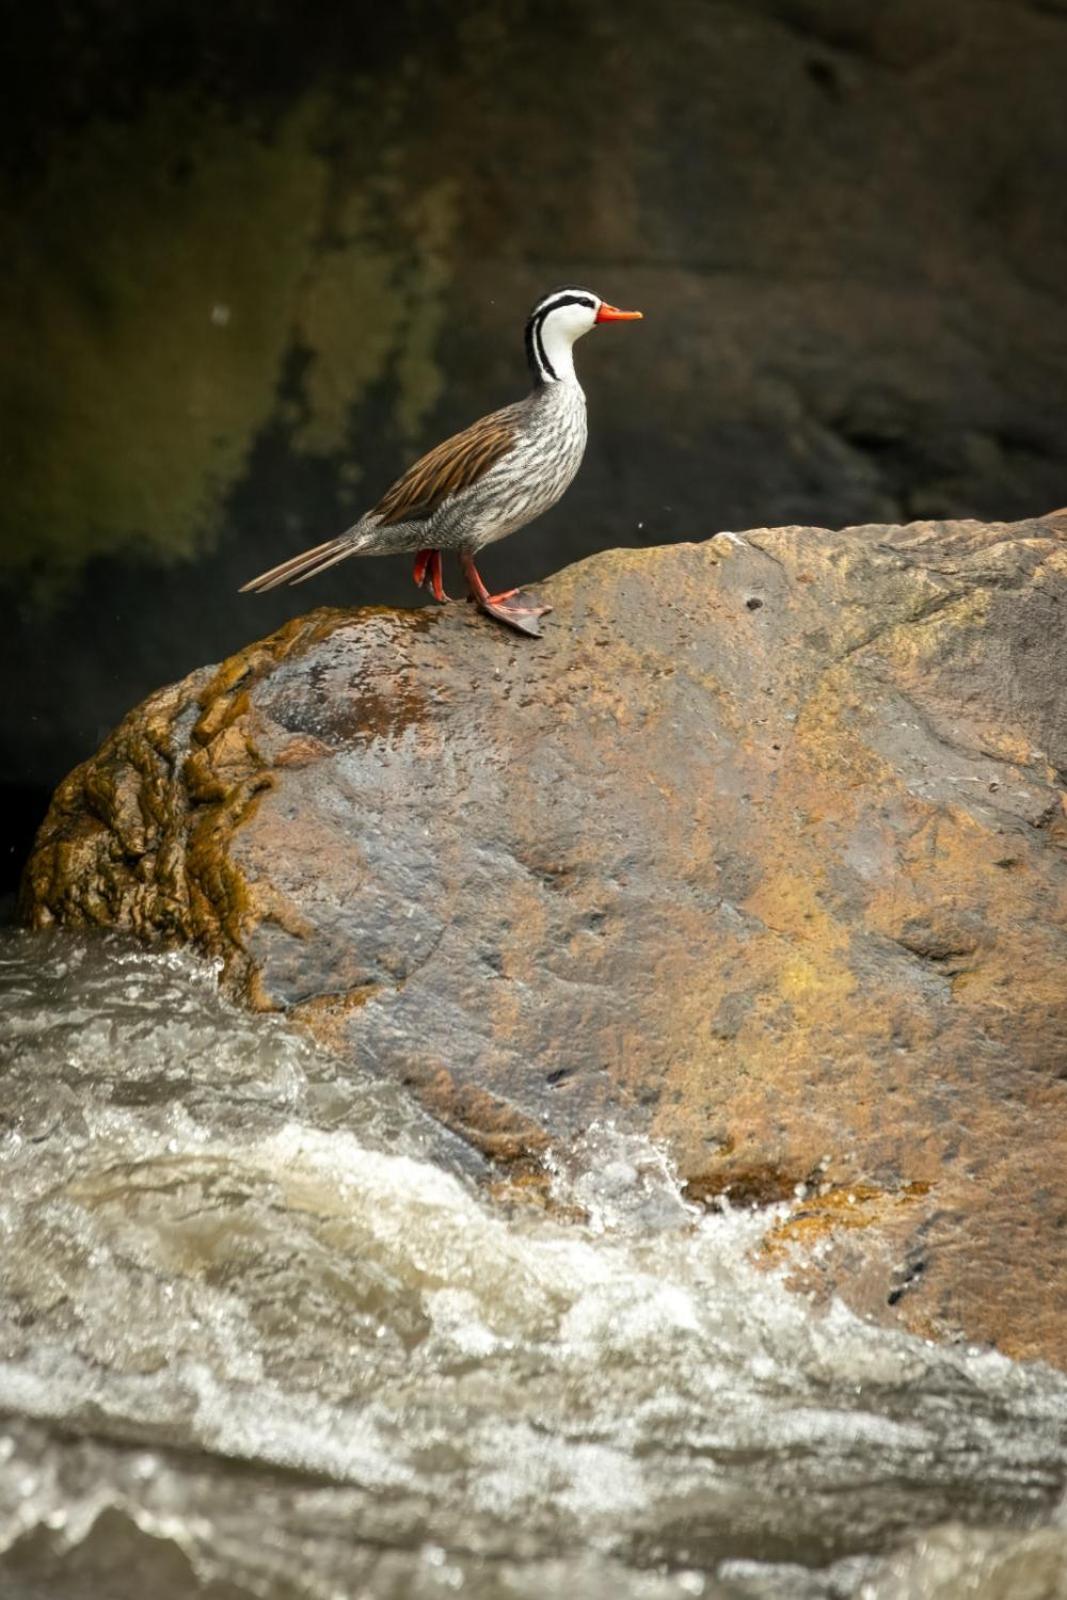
{"x": 259, "y": 255}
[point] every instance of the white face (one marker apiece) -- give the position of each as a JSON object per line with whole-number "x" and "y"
{"x": 571, "y": 321}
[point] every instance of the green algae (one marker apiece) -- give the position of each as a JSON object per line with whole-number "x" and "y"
{"x": 168, "y": 267}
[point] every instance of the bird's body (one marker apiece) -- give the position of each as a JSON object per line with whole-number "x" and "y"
{"x": 488, "y": 481}
{"x": 544, "y": 440}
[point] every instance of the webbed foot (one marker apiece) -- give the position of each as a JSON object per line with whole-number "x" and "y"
{"x": 506, "y": 607}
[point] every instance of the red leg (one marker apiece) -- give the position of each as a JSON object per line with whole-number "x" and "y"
{"x": 427, "y": 573}
{"x": 436, "y": 581}
{"x": 502, "y": 606}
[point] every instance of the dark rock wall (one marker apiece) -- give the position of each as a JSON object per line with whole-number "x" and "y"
{"x": 261, "y": 256}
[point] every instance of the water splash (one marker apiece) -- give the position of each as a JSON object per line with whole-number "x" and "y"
{"x": 260, "y": 1327}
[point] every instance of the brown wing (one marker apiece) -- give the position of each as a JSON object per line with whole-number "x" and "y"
{"x": 451, "y": 466}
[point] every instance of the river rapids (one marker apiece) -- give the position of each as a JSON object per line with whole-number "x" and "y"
{"x": 264, "y": 1335}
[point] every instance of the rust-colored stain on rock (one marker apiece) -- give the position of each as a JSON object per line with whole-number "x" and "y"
{"x": 760, "y": 849}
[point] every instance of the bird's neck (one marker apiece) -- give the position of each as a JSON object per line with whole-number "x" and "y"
{"x": 550, "y": 352}
{"x": 558, "y": 349}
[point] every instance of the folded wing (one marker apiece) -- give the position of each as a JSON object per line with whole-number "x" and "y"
{"x": 456, "y": 464}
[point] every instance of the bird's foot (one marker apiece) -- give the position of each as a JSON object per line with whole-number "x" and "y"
{"x": 503, "y": 607}
{"x": 427, "y": 573}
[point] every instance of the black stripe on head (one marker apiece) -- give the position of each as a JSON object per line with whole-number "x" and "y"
{"x": 567, "y": 295}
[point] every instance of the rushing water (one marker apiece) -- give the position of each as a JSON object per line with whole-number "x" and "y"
{"x": 263, "y": 1334}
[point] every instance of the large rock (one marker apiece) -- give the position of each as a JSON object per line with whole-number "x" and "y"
{"x": 760, "y": 849}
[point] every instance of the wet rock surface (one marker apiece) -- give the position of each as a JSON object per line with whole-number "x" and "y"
{"x": 760, "y": 851}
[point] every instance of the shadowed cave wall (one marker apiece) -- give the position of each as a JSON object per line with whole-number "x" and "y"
{"x": 259, "y": 256}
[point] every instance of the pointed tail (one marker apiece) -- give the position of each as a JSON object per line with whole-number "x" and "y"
{"x": 306, "y": 565}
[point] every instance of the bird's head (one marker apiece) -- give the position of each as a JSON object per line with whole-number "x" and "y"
{"x": 556, "y": 321}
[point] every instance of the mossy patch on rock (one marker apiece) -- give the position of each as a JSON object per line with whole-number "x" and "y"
{"x": 173, "y": 271}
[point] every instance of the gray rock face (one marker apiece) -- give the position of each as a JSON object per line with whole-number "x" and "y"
{"x": 760, "y": 850}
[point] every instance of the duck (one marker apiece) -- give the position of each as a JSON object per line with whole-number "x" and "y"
{"x": 487, "y": 482}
